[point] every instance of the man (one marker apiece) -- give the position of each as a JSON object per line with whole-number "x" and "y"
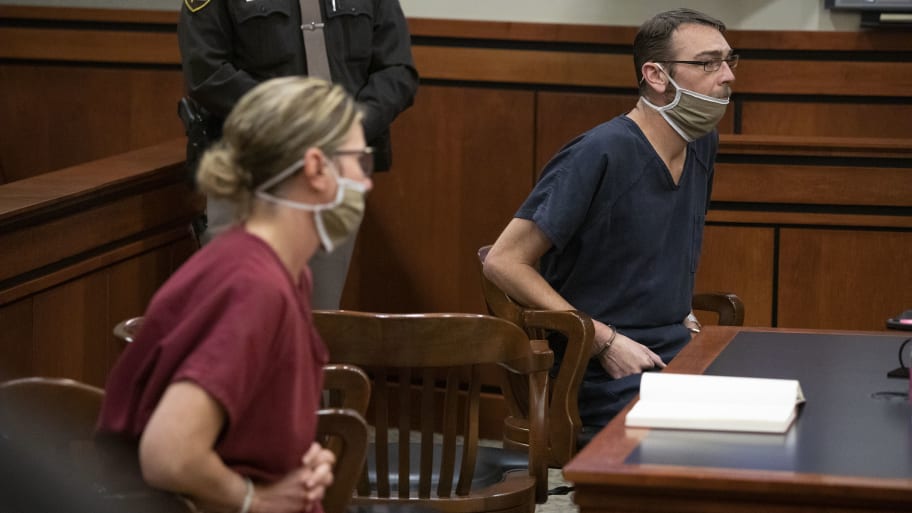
{"x": 614, "y": 226}
{"x": 229, "y": 46}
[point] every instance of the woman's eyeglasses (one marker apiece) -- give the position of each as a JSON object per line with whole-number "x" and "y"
{"x": 365, "y": 158}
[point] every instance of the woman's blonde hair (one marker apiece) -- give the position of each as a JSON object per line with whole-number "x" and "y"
{"x": 269, "y": 129}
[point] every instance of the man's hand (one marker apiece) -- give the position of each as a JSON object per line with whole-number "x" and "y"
{"x": 625, "y": 356}
{"x": 301, "y": 489}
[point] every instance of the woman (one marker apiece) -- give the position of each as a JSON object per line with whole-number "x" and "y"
{"x": 222, "y": 384}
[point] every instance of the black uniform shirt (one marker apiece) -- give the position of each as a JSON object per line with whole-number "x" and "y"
{"x": 229, "y": 46}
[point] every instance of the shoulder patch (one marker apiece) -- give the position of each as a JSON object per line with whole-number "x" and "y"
{"x": 196, "y": 5}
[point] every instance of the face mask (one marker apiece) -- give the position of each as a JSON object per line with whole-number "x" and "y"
{"x": 337, "y": 220}
{"x": 692, "y": 115}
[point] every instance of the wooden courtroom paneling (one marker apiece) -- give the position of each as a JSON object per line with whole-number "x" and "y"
{"x": 145, "y": 47}
{"x": 563, "y": 116}
{"x": 844, "y": 119}
{"x": 65, "y": 330}
{"x": 842, "y": 279}
{"x": 740, "y": 260}
{"x": 70, "y": 330}
{"x": 15, "y": 339}
{"x": 525, "y": 66}
{"x": 824, "y": 77}
{"x": 816, "y": 185}
{"x": 86, "y": 247}
{"x": 56, "y": 116}
{"x": 462, "y": 165}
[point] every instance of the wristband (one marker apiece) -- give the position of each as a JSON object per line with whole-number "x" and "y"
{"x": 607, "y": 345}
{"x": 248, "y": 497}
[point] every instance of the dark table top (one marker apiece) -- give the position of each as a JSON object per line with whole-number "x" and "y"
{"x": 856, "y": 421}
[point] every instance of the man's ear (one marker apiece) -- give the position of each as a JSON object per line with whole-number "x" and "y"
{"x": 655, "y": 77}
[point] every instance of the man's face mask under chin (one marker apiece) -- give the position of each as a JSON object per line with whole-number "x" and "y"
{"x": 691, "y": 114}
{"x": 337, "y": 220}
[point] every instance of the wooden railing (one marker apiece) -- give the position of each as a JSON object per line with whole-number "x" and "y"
{"x": 83, "y": 248}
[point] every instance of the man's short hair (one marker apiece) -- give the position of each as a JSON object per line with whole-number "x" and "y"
{"x": 653, "y": 40}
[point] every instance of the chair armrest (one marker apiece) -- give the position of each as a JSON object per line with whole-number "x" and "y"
{"x": 349, "y": 382}
{"x": 563, "y": 409}
{"x": 345, "y": 433}
{"x": 729, "y": 306}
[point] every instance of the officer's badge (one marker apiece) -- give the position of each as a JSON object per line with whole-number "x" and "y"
{"x": 195, "y": 5}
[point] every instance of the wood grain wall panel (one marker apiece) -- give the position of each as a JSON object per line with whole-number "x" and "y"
{"x": 57, "y": 240}
{"x": 841, "y": 279}
{"x": 786, "y": 218}
{"x": 89, "y": 45}
{"x": 56, "y": 116}
{"x": 824, "y": 77}
{"x": 763, "y": 146}
{"x": 130, "y": 286}
{"x": 525, "y": 66}
{"x": 740, "y": 259}
{"x": 814, "y": 119}
{"x": 68, "y": 331}
{"x": 561, "y": 116}
{"x": 70, "y": 325}
{"x": 812, "y": 185}
{"x": 462, "y": 166}
{"x": 16, "y": 339}
{"x": 152, "y": 107}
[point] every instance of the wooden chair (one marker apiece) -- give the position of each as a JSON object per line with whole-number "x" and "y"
{"x": 728, "y": 307}
{"x": 345, "y": 433}
{"x": 53, "y": 421}
{"x": 343, "y": 430}
{"x": 426, "y": 372}
{"x": 563, "y": 412}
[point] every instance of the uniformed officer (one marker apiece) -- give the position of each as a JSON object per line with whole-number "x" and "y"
{"x": 229, "y": 46}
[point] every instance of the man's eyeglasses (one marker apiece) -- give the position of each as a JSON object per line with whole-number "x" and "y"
{"x": 712, "y": 64}
{"x": 365, "y": 158}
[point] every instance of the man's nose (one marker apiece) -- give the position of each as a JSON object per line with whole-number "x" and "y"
{"x": 728, "y": 74}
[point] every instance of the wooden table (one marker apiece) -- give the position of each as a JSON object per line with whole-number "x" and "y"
{"x": 850, "y": 449}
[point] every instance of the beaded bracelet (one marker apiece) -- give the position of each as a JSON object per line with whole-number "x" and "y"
{"x": 607, "y": 345}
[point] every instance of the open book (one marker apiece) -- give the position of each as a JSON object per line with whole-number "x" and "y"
{"x": 718, "y": 403}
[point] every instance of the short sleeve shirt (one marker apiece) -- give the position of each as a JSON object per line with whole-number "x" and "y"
{"x": 232, "y": 321}
{"x": 626, "y": 239}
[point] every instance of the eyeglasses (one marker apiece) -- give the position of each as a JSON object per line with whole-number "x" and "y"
{"x": 712, "y": 64}
{"x": 365, "y": 158}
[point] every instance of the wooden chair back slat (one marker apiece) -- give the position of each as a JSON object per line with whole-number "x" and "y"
{"x": 450, "y": 433}
{"x": 470, "y": 440}
{"x": 381, "y": 431}
{"x": 405, "y": 427}
{"x": 428, "y": 392}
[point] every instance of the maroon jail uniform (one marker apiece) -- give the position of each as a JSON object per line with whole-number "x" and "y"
{"x": 232, "y": 321}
